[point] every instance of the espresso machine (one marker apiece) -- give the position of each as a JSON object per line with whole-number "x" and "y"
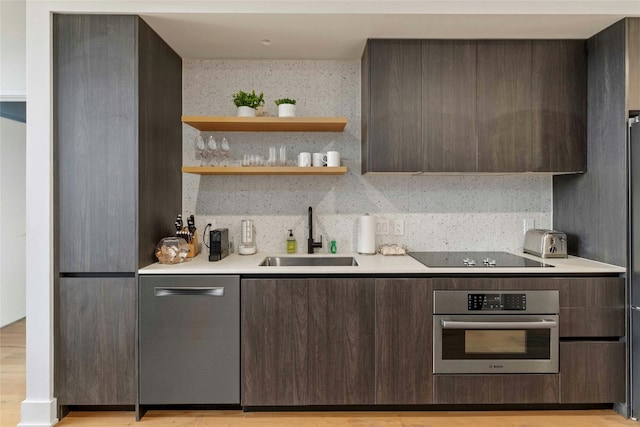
{"x": 247, "y": 238}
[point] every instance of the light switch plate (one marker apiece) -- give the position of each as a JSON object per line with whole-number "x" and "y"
{"x": 398, "y": 227}
{"x": 528, "y": 224}
{"x": 382, "y": 227}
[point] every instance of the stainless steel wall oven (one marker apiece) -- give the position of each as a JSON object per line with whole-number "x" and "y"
{"x": 495, "y": 332}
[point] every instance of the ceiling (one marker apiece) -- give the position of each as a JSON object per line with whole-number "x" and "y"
{"x": 342, "y": 36}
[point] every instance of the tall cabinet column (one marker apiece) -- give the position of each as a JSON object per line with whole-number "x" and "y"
{"x": 117, "y": 159}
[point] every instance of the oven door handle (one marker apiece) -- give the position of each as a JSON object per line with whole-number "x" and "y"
{"x": 539, "y": 324}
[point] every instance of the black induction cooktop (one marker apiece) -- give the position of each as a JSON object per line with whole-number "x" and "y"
{"x": 474, "y": 260}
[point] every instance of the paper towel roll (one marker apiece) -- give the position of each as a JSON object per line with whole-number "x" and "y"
{"x": 367, "y": 234}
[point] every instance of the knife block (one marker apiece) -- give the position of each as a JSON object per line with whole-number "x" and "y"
{"x": 194, "y": 246}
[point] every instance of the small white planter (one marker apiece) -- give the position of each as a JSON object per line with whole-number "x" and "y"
{"x": 286, "y": 110}
{"x": 246, "y": 112}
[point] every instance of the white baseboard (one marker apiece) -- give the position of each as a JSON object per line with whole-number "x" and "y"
{"x": 38, "y": 413}
{"x": 13, "y": 97}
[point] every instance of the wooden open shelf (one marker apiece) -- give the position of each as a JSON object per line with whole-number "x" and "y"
{"x": 266, "y": 124}
{"x": 263, "y": 170}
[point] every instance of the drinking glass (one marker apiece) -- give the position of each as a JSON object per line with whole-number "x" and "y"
{"x": 212, "y": 150}
{"x": 225, "y": 152}
{"x": 283, "y": 156}
{"x": 257, "y": 160}
{"x": 201, "y": 149}
{"x": 273, "y": 160}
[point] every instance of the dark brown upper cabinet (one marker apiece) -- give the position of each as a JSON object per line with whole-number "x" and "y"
{"x": 449, "y": 106}
{"x": 488, "y": 106}
{"x": 392, "y": 119}
{"x": 559, "y": 106}
{"x": 504, "y": 106}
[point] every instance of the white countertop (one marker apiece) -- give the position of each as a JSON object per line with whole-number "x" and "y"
{"x": 370, "y": 264}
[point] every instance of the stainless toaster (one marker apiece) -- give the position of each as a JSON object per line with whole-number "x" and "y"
{"x": 545, "y": 243}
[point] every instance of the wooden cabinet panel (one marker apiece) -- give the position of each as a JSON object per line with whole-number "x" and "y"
{"x": 582, "y": 203}
{"x": 485, "y": 106}
{"x": 365, "y": 106}
{"x": 504, "y": 106}
{"x": 274, "y": 334}
{"x": 117, "y": 148}
{"x": 497, "y": 283}
{"x": 394, "y": 135}
{"x": 591, "y": 307}
{"x": 633, "y": 58}
{"x": 449, "y": 105}
{"x": 341, "y": 342}
{"x": 592, "y": 372}
{"x": 159, "y": 136}
{"x": 404, "y": 355}
{"x": 559, "y": 105}
{"x": 117, "y": 179}
{"x": 95, "y": 139}
{"x": 96, "y": 363}
{"x": 495, "y": 389}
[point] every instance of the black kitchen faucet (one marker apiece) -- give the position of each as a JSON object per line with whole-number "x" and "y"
{"x": 310, "y": 243}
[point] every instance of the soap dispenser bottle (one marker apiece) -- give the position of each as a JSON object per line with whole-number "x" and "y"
{"x": 291, "y": 243}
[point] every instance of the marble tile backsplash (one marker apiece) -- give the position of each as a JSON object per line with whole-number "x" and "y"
{"x": 465, "y": 212}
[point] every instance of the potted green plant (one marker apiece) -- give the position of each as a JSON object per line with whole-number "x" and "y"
{"x": 286, "y": 107}
{"x": 248, "y": 102}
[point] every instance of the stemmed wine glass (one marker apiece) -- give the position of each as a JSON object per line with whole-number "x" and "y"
{"x": 212, "y": 149}
{"x": 225, "y": 151}
{"x": 201, "y": 149}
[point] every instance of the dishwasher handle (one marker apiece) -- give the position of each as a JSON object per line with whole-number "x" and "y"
{"x": 539, "y": 324}
{"x": 189, "y": 291}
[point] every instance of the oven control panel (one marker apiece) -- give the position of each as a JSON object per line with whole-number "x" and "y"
{"x": 478, "y": 302}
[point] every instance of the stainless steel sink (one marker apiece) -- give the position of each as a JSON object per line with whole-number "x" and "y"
{"x": 309, "y": 262}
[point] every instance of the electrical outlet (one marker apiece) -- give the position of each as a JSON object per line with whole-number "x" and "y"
{"x": 528, "y": 224}
{"x": 398, "y": 227}
{"x": 382, "y": 227}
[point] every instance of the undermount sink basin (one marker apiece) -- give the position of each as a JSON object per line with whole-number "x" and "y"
{"x": 309, "y": 262}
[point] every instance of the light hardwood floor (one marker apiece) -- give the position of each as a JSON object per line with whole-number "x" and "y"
{"x": 12, "y": 372}
{"x": 12, "y": 392}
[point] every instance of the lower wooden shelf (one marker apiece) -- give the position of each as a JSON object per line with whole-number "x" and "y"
{"x": 263, "y": 170}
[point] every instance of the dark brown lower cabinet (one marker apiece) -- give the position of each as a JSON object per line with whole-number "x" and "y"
{"x": 592, "y": 307}
{"x": 96, "y": 347}
{"x": 341, "y": 342}
{"x": 404, "y": 341}
{"x": 592, "y": 372}
{"x": 363, "y": 341}
{"x": 307, "y": 342}
{"x": 495, "y": 389}
{"x": 275, "y": 338}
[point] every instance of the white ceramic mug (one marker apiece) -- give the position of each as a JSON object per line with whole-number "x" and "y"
{"x": 319, "y": 159}
{"x": 304, "y": 159}
{"x": 333, "y": 158}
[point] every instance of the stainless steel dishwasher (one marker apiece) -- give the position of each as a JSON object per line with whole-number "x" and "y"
{"x": 189, "y": 339}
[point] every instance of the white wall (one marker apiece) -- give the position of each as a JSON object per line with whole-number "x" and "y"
{"x": 12, "y": 221}
{"x": 13, "y": 81}
{"x": 12, "y": 163}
